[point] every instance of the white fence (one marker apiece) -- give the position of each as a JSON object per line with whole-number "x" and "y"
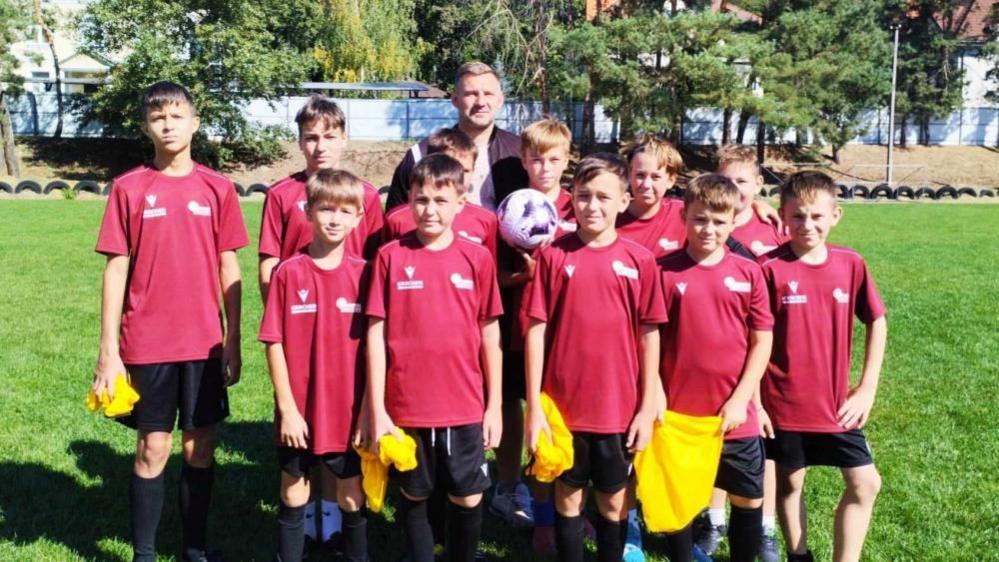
{"x": 34, "y": 114}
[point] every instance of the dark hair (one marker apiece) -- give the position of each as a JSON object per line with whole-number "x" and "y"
{"x": 440, "y": 171}
{"x": 805, "y": 185}
{"x": 451, "y": 140}
{"x": 321, "y": 108}
{"x": 162, "y": 94}
{"x": 601, "y": 163}
{"x": 715, "y": 191}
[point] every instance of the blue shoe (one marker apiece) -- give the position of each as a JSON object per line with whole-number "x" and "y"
{"x": 700, "y": 556}
{"x": 633, "y": 553}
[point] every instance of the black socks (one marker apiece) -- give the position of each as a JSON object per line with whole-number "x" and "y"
{"x": 194, "y": 496}
{"x": 610, "y": 539}
{"x": 464, "y": 528}
{"x": 680, "y": 546}
{"x": 419, "y": 537}
{"x": 745, "y": 526}
{"x": 355, "y": 535}
{"x": 146, "y": 498}
{"x": 569, "y": 538}
{"x": 291, "y": 533}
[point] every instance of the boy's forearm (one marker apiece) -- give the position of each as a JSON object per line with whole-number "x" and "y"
{"x": 649, "y": 348}
{"x": 278, "y": 367}
{"x": 534, "y": 357}
{"x": 232, "y": 291}
{"x": 375, "y": 344}
{"x": 112, "y": 302}
{"x": 874, "y": 354}
{"x": 760, "y": 344}
{"x": 264, "y": 270}
{"x": 492, "y": 360}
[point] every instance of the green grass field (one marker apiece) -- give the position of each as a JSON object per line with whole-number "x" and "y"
{"x": 63, "y": 471}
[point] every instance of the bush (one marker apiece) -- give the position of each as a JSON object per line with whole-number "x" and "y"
{"x": 259, "y": 145}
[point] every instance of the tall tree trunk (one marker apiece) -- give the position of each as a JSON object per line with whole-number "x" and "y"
{"x": 835, "y": 153}
{"x": 903, "y": 135}
{"x": 726, "y": 126}
{"x": 761, "y": 142}
{"x": 740, "y": 133}
{"x": 55, "y": 64}
{"x": 11, "y": 166}
{"x": 541, "y": 32}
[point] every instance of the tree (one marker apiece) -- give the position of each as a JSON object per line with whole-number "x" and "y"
{"x": 226, "y": 52}
{"x": 45, "y": 21}
{"x": 13, "y": 21}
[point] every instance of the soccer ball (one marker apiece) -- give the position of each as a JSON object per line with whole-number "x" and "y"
{"x": 527, "y": 219}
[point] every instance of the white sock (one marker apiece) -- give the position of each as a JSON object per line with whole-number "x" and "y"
{"x": 769, "y": 524}
{"x": 310, "y": 520}
{"x": 717, "y": 516}
{"x": 332, "y": 520}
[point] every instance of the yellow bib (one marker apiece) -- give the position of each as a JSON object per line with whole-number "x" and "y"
{"x": 552, "y": 456}
{"x": 374, "y": 468}
{"x": 125, "y": 398}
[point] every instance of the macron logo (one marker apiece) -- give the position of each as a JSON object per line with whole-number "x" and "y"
{"x": 737, "y": 286}
{"x": 301, "y": 205}
{"x": 667, "y": 244}
{"x": 570, "y": 269}
{"x": 151, "y": 199}
{"x": 794, "y": 286}
{"x": 303, "y": 294}
{"x": 410, "y": 270}
{"x": 411, "y": 284}
{"x": 682, "y": 287}
{"x": 841, "y": 296}
{"x": 153, "y": 211}
{"x": 623, "y": 270}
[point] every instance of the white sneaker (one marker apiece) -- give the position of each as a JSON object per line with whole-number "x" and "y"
{"x": 513, "y": 505}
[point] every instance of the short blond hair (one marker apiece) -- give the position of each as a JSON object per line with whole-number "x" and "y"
{"x": 737, "y": 154}
{"x": 545, "y": 134}
{"x": 806, "y": 185}
{"x": 337, "y": 187}
{"x": 714, "y": 191}
{"x": 474, "y": 68}
{"x": 666, "y": 155}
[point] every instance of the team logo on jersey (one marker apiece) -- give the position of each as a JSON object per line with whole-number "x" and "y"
{"x": 667, "y": 244}
{"x": 305, "y": 307}
{"x": 793, "y": 298}
{"x": 199, "y": 210}
{"x": 759, "y": 248}
{"x": 567, "y": 226}
{"x": 794, "y": 286}
{"x": 841, "y": 296}
{"x": 347, "y": 307}
{"x": 153, "y": 211}
{"x": 570, "y": 269}
{"x": 737, "y": 286}
{"x": 682, "y": 287}
{"x": 461, "y": 283}
{"x": 301, "y": 205}
{"x": 623, "y": 270}
{"x": 411, "y": 283}
{"x": 469, "y": 237}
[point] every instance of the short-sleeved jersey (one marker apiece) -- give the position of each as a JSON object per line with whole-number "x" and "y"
{"x": 316, "y": 315}
{"x": 712, "y": 309}
{"x": 661, "y": 234}
{"x": 285, "y": 229}
{"x": 515, "y": 328}
{"x": 808, "y": 377}
{"x": 473, "y": 223}
{"x": 433, "y": 302}
{"x": 759, "y": 236}
{"x": 173, "y": 229}
{"x": 594, "y": 301}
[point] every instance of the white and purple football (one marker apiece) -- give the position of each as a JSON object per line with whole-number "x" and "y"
{"x": 527, "y": 219}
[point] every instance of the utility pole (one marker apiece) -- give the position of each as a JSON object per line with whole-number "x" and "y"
{"x": 891, "y": 108}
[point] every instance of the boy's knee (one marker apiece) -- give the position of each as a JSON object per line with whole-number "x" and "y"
{"x": 152, "y": 451}
{"x": 790, "y": 481}
{"x": 613, "y": 507}
{"x": 568, "y": 500}
{"x": 199, "y": 447}
{"x": 865, "y": 486}
{"x": 349, "y": 494}
{"x": 465, "y": 501}
{"x": 294, "y": 491}
{"x": 745, "y": 503}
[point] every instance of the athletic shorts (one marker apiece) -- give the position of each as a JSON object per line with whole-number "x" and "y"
{"x": 514, "y": 378}
{"x": 740, "y": 471}
{"x": 601, "y": 458}
{"x": 451, "y": 457}
{"x": 299, "y": 462}
{"x": 193, "y": 389}
{"x": 800, "y": 449}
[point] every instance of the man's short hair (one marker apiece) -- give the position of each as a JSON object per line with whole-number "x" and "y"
{"x": 474, "y": 68}
{"x": 439, "y": 171}
{"x": 714, "y": 191}
{"x": 162, "y": 94}
{"x": 598, "y": 164}
{"x": 453, "y": 141}
{"x": 737, "y": 154}
{"x": 666, "y": 155}
{"x": 337, "y": 187}
{"x": 321, "y": 108}
{"x": 545, "y": 134}
{"x": 806, "y": 185}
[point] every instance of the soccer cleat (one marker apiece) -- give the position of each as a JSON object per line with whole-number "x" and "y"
{"x": 513, "y": 506}
{"x": 633, "y": 553}
{"x": 708, "y": 537}
{"x": 633, "y": 541}
{"x": 806, "y": 557}
{"x": 698, "y": 555}
{"x": 769, "y": 549}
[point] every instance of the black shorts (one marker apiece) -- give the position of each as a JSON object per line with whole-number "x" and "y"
{"x": 800, "y": 449}
{"x": 602, "y": 458}
{"x": 194, "y": 389}
{"x": 514, "y": 378}
{"x": 452, "y": 457}
{"x": 299, "y": 462}
{"x": 740, "y": 471}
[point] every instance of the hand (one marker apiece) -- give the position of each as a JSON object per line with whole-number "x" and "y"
{"x": 854, "y": 412}
{"x": 294, "y": 430}
{"x": 232, "y": 361}
{"x": 530, "y": 264}
{"x": 640, "y": 431}
{"x": 660, "y": 404}
{"x": 382, "y": 424}
{"x": 768, "y": 214}
{"x": 766, "y": 426}
{"x": 733, "y": 415}
{"x": 536, "y": 424}
{"x": 362, "y": 431}
{"x": 109, "y": 366}
{"x": 492, "y": 428}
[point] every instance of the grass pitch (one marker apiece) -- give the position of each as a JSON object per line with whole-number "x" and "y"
{"x": 64, "y": 472}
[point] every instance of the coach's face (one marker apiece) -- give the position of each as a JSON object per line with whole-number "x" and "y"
{"x": 478, "y": 100}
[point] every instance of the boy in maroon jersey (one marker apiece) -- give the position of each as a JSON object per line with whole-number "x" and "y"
{"x": 652, "y": 219}
{"x": 170, "y": 233}
{"x": 593, "y": 346}
{"x": 473, "y": 223}
{"x": 715, "y": 349}
{"x": 815, "y": 290}
{"x": 432, "y": 338}
{"x": 739, "y": 164}
{"x": 313, "y": 328}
